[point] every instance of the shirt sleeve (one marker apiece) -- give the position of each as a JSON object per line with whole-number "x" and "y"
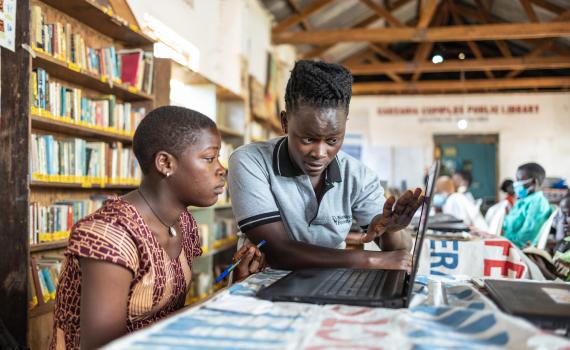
{"x": 369, "y": 200}
{"x": 526, "y": 225}
{"x": 105, "y": 241}
{"x": 253, "y": 202}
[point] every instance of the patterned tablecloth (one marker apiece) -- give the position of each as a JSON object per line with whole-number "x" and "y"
{"x": 234, "y": 319}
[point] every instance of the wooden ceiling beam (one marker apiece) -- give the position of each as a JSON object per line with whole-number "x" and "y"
{"x": 295, "y": 19}
{"x": 548, "y": 6}
{"x": 383, "y": 13}
{"x": 507, "y": 31}
{"x": 554, "y": 62}
{"x": 427, "y": 11}
{"x": 295, "y": 7}
{"x": 385, "y": 52}
{"x": 460, "y": 85}
{"x": 362, "y": 24}
{"x": 424, "y": 49}
{"x": 527, "y": 6}
{"x": 484, "y": 11}
{"x": 472, "y": 45}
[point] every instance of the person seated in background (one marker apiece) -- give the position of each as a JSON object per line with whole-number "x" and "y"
{"x": 559, "y": 223}
{"x": 462, "y": 180}
{"x": 457, "y": 204}
{"x": 444, "y": 187}
{"x": 556, "y": 265}
{"x": 523, "y": 223}
{"x": 562, "y": 251}
{"x": 507, "y": 188}
{"x": 496, "y": 213}
{"x": 129, "y": 264}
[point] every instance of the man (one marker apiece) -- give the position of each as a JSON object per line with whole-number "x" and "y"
{"x": 300, "y": 192}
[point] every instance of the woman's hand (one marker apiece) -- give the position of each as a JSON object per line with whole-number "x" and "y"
{"x": 395, "y": 217}
{"x": 252, "y": 261}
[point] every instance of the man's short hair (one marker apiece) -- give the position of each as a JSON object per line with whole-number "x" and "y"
{"x": 171, "y": 129}
{"x": 465, "y": 175}
{"x": 318, "y": 84}
{"x": 535, "y": 171}
{"x": 505, "y": 185}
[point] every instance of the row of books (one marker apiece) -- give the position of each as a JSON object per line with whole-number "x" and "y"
{"x": 64, "y": 101}
{"x": 44, "y": 278}
{"x": 75, "y": 157}
{"x": 133, "y": 67}
{"x": 53, "y": 222}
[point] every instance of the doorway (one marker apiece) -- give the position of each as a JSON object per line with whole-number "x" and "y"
{"x": 476, "y": 154}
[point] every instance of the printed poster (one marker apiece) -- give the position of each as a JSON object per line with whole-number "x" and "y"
{"x": 8, "y": 24}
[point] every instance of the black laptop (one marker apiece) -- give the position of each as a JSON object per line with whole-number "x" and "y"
{"x": 443, "y": 223}
{"x": 546, "y": 304}
{"x": 365, "y": 287}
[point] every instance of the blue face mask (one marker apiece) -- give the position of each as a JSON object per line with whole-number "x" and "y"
{"x": 439, "y": 200}
{"x": 521, "y": 191}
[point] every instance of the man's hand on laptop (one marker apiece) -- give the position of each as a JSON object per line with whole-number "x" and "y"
{"x": 395, "y": 217}
{"x": 399, "y": 259}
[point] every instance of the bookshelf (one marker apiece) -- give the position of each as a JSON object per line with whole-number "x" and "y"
{"x": 179, "y": 85}
{"x": 90, "y": 83}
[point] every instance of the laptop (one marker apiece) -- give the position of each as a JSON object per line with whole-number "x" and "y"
{"x": 363, "y": 287}
{"x": 443, "y": 223}
{"x": 546, "y": 304}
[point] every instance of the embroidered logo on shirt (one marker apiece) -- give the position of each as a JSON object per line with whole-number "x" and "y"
{"x": 342, "y": 219}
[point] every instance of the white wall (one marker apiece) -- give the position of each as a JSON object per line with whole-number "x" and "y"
{"x": 404, "y": 141}
{"x": 222, "y": 31}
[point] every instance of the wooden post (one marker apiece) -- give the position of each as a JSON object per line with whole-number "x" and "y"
{"x": 14, "y": 191}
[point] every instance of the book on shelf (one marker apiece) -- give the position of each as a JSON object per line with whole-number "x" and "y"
{"x": 73, "y": 159}
{"x": 137, "y": 68}
{"x": 54, "y": 222}
{"x": 100, "y": 111}
{"x": 44, "y": 275}
{"x": 62, "y": 41}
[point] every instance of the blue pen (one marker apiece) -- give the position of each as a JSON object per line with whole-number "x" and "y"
{"x": 233, "y": 266}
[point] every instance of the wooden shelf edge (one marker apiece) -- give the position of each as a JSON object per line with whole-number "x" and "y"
{"x": 225, "y": 131}
{"x": 35, "y": 183}
{"x": 222, "y": 247}
{"x": 47, "y": 124}
{"x": 103, "y": 20}
{"x": 42, "y": 247}
{"x": 62, "y": 70}
{"x": 42, "y": 309}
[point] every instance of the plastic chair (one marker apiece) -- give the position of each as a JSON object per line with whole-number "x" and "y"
{"x": 496, "y": 216}
{"x": 540, "y": 240}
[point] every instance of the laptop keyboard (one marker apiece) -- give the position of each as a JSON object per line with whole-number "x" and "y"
{"x": 353, "y": 283}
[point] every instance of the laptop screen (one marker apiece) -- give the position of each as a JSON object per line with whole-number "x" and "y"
{"x": 424, "y": 214}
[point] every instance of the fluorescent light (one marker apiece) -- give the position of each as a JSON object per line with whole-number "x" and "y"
{"x": 437, "y": 59}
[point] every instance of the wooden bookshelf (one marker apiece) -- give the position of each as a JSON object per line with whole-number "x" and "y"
{"x": 229, "y": 132}
{"x": 97, "y": 27}
{"x": 72, "y": 129}
{"x": 42, "y": 247}
{"x": 70, "y": 72}
{"x": 81, "y": 186}
{"x": 103, "y": 19}
{"x": 220, "y": 246}
{"x": 42, "y": 309}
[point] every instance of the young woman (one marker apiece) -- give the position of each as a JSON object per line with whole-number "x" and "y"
{"x": 300, "y": 192}
{"x": 129, "y": 264}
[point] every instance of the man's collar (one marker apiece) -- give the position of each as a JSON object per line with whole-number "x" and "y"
{"x": 284, "y": 166}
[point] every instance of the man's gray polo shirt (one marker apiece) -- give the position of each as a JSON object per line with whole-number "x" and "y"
{"x": 266, "y": 186}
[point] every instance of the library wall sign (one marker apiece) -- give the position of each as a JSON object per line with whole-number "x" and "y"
{"x": 455, "y": 110}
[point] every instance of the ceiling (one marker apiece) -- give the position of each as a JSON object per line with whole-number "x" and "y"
{"x": 391, "y": 45}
